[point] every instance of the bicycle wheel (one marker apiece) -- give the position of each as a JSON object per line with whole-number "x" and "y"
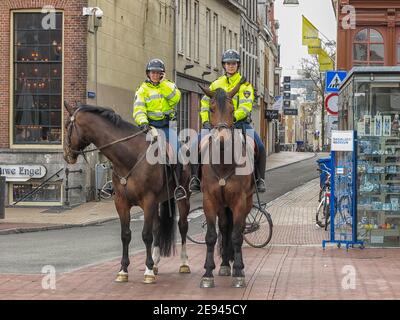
{"x": 320, "y": 214}
{"x": 107, "y": 191}
{"x": 197, "y": 226}
{"x": 327, "y": 214}
{"x": 344, "y": 208}
{"x": 258, "y": 229}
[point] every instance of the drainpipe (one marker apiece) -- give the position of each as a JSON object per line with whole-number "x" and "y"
{"x": 175, "y": 46}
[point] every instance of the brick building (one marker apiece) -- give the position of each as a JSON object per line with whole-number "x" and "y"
{"x": 375, "y": 40}
{"x": 62, "y": 54}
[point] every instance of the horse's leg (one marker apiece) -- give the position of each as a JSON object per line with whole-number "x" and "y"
{"x": 123, "y": 209}
{"x": 150, "y": 211}
{"x": 184, "y": 207}
{"x": 240, "y": 212}
{"x": 226, "y": 245}
{"x": 207, "y": 280}
{"x": 156, "y": 243}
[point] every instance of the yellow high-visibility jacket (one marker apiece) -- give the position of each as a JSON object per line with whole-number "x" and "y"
{"x": 242, "y": 101}
{"x": 155, "y": 102}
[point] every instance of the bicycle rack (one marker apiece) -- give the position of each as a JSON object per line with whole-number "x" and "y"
{"x": 67, "y": 187}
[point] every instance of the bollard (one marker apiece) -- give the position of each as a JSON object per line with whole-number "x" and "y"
{"x": 2, "y": 197}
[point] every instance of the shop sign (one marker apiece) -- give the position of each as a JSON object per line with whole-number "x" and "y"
{"x": 342, "y": 141}
{"x": 271, "y": 115}
{"x": 290, "y": 112}
{"x": 22, "y": 172}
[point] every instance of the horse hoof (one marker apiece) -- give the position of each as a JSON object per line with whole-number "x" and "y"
{"x": 148, "y": 279}
{"x": 207, "y": 282}
{"x": 224, "y": 271}
{"x": 184, "y": 269}
{"x": 155, "y": 270}
{"x": 122, "y": 277}
{"x": 238, "y": 282}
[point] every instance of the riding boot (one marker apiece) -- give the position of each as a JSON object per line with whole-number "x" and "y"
{"x": 194, "y": 184}
{"x": 260, "y": 170}
{"x": 179, "y": 192}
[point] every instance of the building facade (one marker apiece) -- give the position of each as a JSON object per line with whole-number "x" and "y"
{"x": 204, "y": 30}
{"x": 374, "y": 37}
{"x": 53, "y": 52}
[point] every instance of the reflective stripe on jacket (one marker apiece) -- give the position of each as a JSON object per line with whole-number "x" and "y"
{"x": 242, "y": 101}
{"x": 155, "y": 102}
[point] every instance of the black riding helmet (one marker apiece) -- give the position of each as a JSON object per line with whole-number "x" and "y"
{"x": 231, "y": 55}
{"x": 155, "y": 65}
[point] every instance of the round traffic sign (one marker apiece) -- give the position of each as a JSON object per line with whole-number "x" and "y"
{"x": 331, "y": 104}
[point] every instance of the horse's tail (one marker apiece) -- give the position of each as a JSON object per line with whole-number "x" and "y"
{"x": 167, "y": 228}
{"x": 229, "y": 229}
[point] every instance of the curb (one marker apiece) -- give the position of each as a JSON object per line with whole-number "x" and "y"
{"x": 98, "y": 222}
{"x": 288, "y": 164}
{"x": 56, "y": 227}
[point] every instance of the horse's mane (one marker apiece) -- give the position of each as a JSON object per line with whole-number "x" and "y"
{"x": 109, "y": 114}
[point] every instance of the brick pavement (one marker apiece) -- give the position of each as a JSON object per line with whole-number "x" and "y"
{"x": 293, "y": 266}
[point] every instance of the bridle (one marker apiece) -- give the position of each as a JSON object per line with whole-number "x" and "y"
{"x": 72, "y": 126}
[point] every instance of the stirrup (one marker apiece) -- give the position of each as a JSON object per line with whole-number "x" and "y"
{"x": 180, "y": 193}
{"x": 194, "y": 178}
{"x": 263, "y": 188}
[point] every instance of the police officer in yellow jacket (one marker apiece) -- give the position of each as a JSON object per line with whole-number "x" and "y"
{"x": 155, "y": 105}
{"x": 243, "y": 105}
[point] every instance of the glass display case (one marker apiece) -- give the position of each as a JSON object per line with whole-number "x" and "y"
{"x": 369, "y": 103}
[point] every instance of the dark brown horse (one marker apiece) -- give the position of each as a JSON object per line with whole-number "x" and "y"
{"x": 136, "y": 182}
{"x": 226, "y": 194}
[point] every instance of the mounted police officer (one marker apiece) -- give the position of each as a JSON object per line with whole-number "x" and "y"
{"x": 155, "y": 106}
{"x": 243, "y": 105}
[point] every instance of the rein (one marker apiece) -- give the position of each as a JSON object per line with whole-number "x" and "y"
{"x": 221, "y": 180}
{"x": 122, "y": 179}
{"x": 82, "y": 152}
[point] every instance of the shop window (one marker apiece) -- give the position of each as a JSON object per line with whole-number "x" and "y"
{"x": 48, "y": 194}
{"x": 37, "y": 80}
{"x": 368, "y": 48}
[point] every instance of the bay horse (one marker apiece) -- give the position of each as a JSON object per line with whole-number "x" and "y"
{"x": 226, "y": 195}
{"x": 135, "y": 180}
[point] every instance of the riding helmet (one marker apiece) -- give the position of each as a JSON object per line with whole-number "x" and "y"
{"x": 231, "y": 55}
{"x": 155, "y": 65}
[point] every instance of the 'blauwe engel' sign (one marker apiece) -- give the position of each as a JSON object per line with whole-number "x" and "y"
{"x": 22, "y": 172}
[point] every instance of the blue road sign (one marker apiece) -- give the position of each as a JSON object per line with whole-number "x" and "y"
{"x": 333, "y": 80}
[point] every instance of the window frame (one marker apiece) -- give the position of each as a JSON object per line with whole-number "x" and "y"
{"x": 34, "y": 203}
{"x": 368, "y": 43}
{"x": 11, "y": 92}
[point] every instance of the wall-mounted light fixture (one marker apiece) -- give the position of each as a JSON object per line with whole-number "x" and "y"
{"x": 291, "y": 3}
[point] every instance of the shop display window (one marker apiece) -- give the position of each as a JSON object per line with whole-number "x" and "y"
{"x": 371, "y": 106}
{"x": 37, "y": 80}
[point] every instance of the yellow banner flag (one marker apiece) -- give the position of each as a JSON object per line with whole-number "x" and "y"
{"x": 310, "y": 33}
{"x": 325, "y": 62}
{"x": 315, "y": 48}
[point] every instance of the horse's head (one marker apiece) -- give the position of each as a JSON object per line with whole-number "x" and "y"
{"x": 221, "y": 108}
{"x": 74, "y": 142}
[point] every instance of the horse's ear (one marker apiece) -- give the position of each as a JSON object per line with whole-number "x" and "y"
{"x": 235, "y": 90}
{"x": 207, "y": 91}
{"x": 69, "y": 108}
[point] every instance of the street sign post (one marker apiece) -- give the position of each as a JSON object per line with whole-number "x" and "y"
{"x": 333, "y": 80}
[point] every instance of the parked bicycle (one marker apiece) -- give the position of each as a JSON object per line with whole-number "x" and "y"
{"x": 322, "y": 216}
{"x": 257, "y": 232}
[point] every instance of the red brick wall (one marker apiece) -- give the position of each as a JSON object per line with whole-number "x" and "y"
{"x": 75, "y": 53}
